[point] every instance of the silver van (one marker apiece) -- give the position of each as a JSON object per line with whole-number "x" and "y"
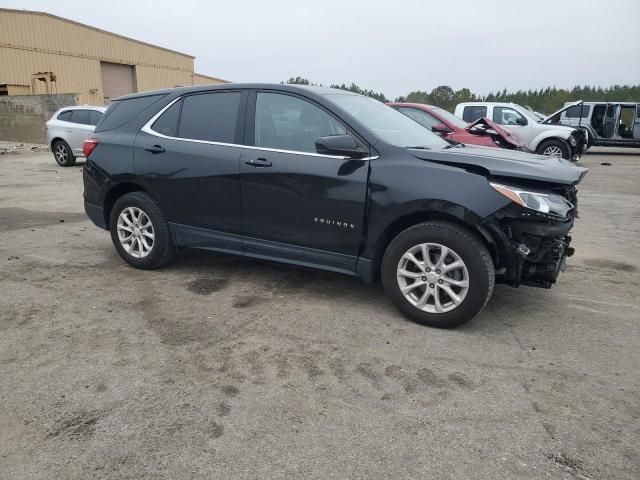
{"x": 612, "y": 124}
{"x": 67, "y": 130}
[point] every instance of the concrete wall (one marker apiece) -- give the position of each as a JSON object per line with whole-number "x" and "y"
{"x": 22, "y": 117}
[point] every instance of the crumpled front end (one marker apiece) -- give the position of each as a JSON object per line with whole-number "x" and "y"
{"x": 578, "y": 143}
{"x": 532, "y": 247}
{"x": 500, "y": 136}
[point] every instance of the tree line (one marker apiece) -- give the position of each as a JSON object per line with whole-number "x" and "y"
{"x": 545, "y": 100}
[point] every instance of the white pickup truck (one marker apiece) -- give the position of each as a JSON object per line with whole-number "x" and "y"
{"x": 544, "y": 139}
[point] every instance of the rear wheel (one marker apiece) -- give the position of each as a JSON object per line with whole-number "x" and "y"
{"x": 63, "y": 153}
{"x": 554, "y": 148}
{"x": 438, "y": 274}
{"x": 140, "y": 232}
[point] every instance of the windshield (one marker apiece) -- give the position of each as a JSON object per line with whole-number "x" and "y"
{"x": 388, "y": 124}
{"x": 450, "y": 117}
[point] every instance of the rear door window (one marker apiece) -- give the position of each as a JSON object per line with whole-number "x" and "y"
{"x": 473, "y": 112}
{"x": 81, "y": 116}
{"x": 210, "y": 116}
{"x": 423, "y": 118}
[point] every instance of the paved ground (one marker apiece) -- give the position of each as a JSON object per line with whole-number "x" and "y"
{"x": 219, "y": 367}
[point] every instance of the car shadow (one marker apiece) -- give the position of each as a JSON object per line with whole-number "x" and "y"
{"x": 283, "y": 279}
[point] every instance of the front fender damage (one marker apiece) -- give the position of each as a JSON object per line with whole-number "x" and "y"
{"x": 532, "y": 248}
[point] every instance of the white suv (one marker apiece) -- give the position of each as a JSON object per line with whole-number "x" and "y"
{"x": 566, "y": 142}
{"x": 67, "y": 130}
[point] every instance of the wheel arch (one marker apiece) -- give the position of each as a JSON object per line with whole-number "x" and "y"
{"x": 55, "y": 139}
{"x": 546, "y": 136}
{"x": 115, "y": 193}
{"x": 400, "y": 224}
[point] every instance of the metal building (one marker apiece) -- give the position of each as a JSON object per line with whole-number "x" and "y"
{"x": 41, "y": 53}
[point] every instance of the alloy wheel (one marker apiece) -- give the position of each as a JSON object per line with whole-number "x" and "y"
{"x": 552, "y": 151}
{"x": 135, "y": 232}
{"x": 61, "y": 153}
{"x": 433, "y": 278}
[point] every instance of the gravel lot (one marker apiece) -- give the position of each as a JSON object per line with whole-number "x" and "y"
{"x": 220, "y": 367}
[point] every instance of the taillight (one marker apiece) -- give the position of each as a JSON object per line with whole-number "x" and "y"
{"x": 89, "y": 146}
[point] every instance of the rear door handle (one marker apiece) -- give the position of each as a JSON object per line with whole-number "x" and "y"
{"x": 154, "y": 148}
{"x": 259, "y": 162}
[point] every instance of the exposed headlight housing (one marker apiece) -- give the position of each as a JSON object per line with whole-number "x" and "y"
{"x": 548, "y": 203}
{"x": 572, "y": 141}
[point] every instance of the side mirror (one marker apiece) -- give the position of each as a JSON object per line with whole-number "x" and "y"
{"x": 521, "y": 121}
{"x": 340, "y": 145}
{"x": 440, "y": 129}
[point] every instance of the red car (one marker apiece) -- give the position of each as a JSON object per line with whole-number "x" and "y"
{"x": 483, "y": 131}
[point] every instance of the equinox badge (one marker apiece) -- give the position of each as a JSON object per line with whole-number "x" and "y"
{"x": 336, "y": 223}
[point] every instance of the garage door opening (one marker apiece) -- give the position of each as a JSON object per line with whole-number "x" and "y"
{"x": 117, "y": 80}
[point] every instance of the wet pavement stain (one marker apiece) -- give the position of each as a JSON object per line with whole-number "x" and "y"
{"x": 207, "y": 286}
{"x": 610, "y": 264}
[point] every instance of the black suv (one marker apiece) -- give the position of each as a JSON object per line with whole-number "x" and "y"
{"x": 328, "y": 179}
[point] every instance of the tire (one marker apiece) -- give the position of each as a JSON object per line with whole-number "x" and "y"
{"x": 553, "y": 147}
{"x": 477, "y": 268}
{"x": 143, "y": 251}
{"x": 63, "y": 154}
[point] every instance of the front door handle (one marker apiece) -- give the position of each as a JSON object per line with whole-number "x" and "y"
{"x": 259, "y": 162}
{"x": 154, "y": 148}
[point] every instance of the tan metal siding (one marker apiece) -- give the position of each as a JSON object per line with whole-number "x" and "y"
{"x": 50, "y": 34}
{"x": 32, "y": 42}
{"x": 151, "y": 78}
{"x": 75, "y": 74}
{"x": 199, "y": 79}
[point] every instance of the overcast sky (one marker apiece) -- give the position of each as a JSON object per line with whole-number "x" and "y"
{"x": 391, "y": 46}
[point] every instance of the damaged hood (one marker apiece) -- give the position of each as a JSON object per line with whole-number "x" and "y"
{"x": 505, "y": 163}
{"x": 484, "y": 126}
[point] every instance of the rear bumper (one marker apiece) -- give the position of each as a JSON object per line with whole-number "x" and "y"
{"x": 96, "y": 214}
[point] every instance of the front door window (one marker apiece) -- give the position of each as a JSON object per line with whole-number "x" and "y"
{"x": 508, "y": 116}
{"x": 289, "y": 123}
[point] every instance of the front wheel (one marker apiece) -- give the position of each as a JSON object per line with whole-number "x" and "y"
{"x": 438, "y": 274}
{"x": 554, "y": 148}
{"x": 140, "y": 232}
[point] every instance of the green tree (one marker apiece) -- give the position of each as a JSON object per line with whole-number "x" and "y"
{"x": 298, "y": 81}
{"x": 356, "y": 89}
{"x": 546, "y": 100}
{"x": 351, "y": 88}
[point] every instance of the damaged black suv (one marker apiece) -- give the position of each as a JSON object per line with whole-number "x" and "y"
{"x": 328, "y": 179}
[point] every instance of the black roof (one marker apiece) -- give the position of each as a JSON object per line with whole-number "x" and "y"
{"x": 236, "y": 86}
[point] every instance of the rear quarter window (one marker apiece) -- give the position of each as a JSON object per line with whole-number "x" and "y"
{"x": 121, "y": 111}
{"x": 65, "y": 116}
{"x": 473, "y": 113}
{"x": 94, "y": 117}
{"x": 167, "y": 123}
